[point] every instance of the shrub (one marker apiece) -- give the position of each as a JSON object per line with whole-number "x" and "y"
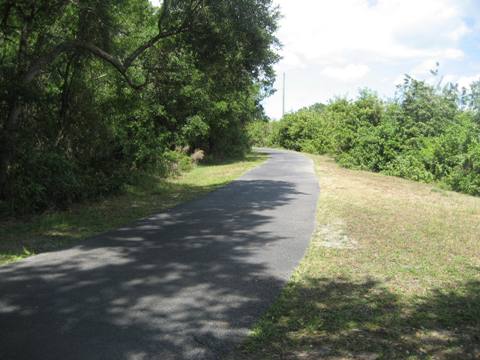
{"x": 177, "y": 162}
{"x": 195, "y": 131}
{"x": 410, "y": 167}
{"x": 44, "y": 180}
{"x": 305, "y": 130}
{"x": 465, "y": 177}
{"x": 259, "y": 133}
{"x": 424, "y": 134}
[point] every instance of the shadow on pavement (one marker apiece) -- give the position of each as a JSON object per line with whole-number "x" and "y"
{"x": 186, "y": 283}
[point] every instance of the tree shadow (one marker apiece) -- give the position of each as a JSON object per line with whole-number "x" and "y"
{"x": 186, "y": 283}
{"x": 345, "y": 319}
{"x": 61, "y": 229}
{"x": 255, "y": 155}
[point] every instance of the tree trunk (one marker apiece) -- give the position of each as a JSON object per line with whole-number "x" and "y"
{"x": 7, "y": 145}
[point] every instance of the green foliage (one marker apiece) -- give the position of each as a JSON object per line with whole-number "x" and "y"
{"x": 78, "y": 130}
{"x": 425, "y": 134}
{"x": 259, "y": 133}
{"x": 177, "y": 162}
{"x": 42, "y": 179}
{"x": 263, "y": 133}
{"x": 409, "y": 166}
{"x": 466, "y": 175}
{"x": 195, "y": 131}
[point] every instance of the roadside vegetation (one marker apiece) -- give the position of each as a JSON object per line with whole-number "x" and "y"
{"x": 428, "y": 133}
{"x": 54, "y": 230}
{"x": 113, "y": 110}
{"x": 95, "y": 92}
{"x": 393, "y": 272}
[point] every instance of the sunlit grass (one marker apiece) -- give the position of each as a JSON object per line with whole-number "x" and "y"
{"x": 393, "y": 272}
{"x": 54, "y": 230}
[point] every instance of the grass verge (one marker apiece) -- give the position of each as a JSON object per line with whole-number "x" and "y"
{"x": 52, "y": 231}
{"x": 393, "y": 272}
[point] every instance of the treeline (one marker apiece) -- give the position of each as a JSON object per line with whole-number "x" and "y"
{"x": 94, "y": 92}
{"x": 426, "y": 133}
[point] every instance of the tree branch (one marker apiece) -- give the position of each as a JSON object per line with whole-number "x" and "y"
{"x": 121, "y": 66}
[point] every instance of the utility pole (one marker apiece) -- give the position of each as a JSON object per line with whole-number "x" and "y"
{"x": 283, "y": 96}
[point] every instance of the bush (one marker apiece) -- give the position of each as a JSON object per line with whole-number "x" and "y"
{"x": 305, "y": 130}
{"x": 424, "y": 134}
{"x": 465, "y": 177}
{"x": 261, "y": 133}
{"x": 195, "y": 131}
{"x": 177, "y": 162}
{"x": 410, "y": 167}
{"x": 42, "y": 181}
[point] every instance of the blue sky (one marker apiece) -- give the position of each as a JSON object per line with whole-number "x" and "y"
{"x": 336, "y": 47}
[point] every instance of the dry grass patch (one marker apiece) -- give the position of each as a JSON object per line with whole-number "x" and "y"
{"x": 393, "y": 272}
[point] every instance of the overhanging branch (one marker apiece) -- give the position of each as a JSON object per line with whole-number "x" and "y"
{"x": 121, "y": 66}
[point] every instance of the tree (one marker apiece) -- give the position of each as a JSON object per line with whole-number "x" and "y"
{"x": 36, "y": 49}
{"x": 108, "y": 86}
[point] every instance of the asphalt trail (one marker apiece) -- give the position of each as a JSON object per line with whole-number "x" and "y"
{"x": 186, "y": 283}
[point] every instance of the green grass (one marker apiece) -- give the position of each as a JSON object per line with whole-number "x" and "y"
{"x": 55, "y": 230}
{"x": 393, "y": 272}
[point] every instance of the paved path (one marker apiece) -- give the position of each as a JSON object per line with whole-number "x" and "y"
{"x": 183, "y": 284}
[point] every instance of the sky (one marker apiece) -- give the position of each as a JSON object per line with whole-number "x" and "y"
{"x": 336, "y": 47}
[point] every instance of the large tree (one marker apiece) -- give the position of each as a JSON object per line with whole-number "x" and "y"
{"x": 64, "y": 61}
{"x": 36, "y": 45}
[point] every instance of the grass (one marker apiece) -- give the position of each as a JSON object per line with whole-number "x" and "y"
{"x": 393, "y": 272}
{"x": 55, "y": 230}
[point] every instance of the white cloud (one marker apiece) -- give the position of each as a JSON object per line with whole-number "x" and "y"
{"x": 466, "y": 81}
{"x": 350, "y": 44}
{"x": 390, "y": 29}
{"x": 462, "y": 80}
{"x": 451, "y": 54}
{"x": 424, "y": 68}
{"x": 351, "y": 72}
{"x": 459, "y": 32}
{"x": 398, "y": 80}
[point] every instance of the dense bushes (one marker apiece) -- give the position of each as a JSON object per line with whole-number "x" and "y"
{"x": 93, "y": 93}
{"x": 260, "y": 133}
{"x": 426, "y": 133}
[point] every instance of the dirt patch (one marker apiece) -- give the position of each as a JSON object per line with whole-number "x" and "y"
{"x": 334, "y": 235}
